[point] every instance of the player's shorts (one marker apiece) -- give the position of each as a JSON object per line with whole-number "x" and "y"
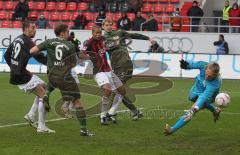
{"x": 103, "y": 78}
{"x": 68, "y": 86}
{"x": 32, "y": 84}
{"x": 124, "y": 73}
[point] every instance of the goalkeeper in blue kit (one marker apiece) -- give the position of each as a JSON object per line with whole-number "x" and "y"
{"x": 202, "y": 94}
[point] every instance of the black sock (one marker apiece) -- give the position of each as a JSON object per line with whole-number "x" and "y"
{"x": 81, "y": 116}
{"x": 129, "y": 105}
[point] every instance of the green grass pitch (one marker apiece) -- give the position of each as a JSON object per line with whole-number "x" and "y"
{"x": 200, "y": 136}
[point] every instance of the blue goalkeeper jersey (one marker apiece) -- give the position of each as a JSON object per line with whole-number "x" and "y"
{"x": 207, "y": 89}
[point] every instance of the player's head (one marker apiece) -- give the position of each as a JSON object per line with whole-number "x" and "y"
{"x": 227, "y": 3}
{"x": 96, "y": 32}
{"x": 29, "y": 28}
{"x": 221, "y": 37}
{"x": 107, "y": 25}
{"x": 212, "y": 71}
{"x": 62, "y": 31}
{"x": 139, "y": 14}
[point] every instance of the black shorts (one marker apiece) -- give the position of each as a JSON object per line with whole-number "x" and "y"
{"x": 124, "y": 73}
{"x": 68, "y": 87}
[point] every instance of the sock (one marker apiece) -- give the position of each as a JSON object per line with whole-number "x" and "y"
{"x": 129, "y": 105}
{"x": 70, "y": 107}
{"x": 41, "y": 114}
{"x": 81, "y": 116}
{"x": 116, "y": 102}
{"x": 66, "y": 104}
{"x": 34, "y": 107}
{"x": 183, "y": 120}
{"x": 211, "y": 107}
{"x": 105, "y": 103}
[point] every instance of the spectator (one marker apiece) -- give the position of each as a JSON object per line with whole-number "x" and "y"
{"x": 124, "y": 22}
{"x": 101, "y": 16}
{"x": 176, "y": 21}
{"x": 234, "y": 20}
{"x": 225, "y": 18}
{"x": 155, "y": 48}
{"x": 195, "y": 12}
{"x": 80, "y": 22}
{"x": 21, "y": 10}
{"x": 75, "y": 41}
{"x": 137, "y": 22}
{"x": 222, "y": 45}
{"x": 42, "y": 23}
{"x": 151, "y": 24}
{"x": 135, "y": 5}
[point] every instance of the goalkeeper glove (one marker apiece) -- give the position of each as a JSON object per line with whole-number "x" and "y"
{"x": 184, "y": 64}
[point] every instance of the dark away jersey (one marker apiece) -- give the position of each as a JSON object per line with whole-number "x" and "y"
{"x": 61, "y": 56}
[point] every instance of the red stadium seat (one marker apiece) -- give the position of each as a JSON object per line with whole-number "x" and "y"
{"x": 33, "y": 15}
{"x": 109, "y": 15}
{"x": 65, "y": 16}
{"x": 1, "y": 5}
{"x": 163, "y": 1}
{"x": 54, "y": 16}
{"x": 160, "y": 27}
{"x": 158, "y": 8}
{"x": 117, "y": 16}
{"x": 9, "y": 5}
{"x": 10, "y": 14}
{"x": 153, "y": 1}
{"x": 83, "y": 6}
{"x": 31, "y": 5}
{"x": 40, "y": 6}
{"x": 6, "y": 24}
{"x": 169, "y": 8}
{"x": 45, "y": 14}
{"x": 164, "y": 18}
{"x": 174, "y": 1}
{"x": 131, "y": 16}
{"x": 147, "y": 8}
{"x": 70, "y": 24}
{"x": 89, "y": 16}
{"x": 16, "y": 24}
{"x": 61, "y": 6}
{"x": 90, "y": 25}
{"x": 50, "y": 6}
{"x": 74, "y": 16}
{"x": 71, "y": 6}
{"x": 3, "y": 15}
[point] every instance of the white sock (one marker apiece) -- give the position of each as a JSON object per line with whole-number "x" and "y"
{"x": 34, "y": 107}
{"x": 70, "y": 107}
{"x": 116, "y": 102}
{"x": 66, "y": 104}
{"x": 105, "y": 103}
{"x": 41, "y": 114}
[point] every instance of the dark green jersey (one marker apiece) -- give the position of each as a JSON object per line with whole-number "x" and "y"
{"x": 61, "y": 56}
{"x": 116, "y": 45}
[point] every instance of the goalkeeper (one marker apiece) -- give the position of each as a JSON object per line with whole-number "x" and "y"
{"x": 203, "y": 92}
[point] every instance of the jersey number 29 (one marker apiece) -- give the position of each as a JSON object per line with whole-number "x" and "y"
{"x": 17, "y": 49}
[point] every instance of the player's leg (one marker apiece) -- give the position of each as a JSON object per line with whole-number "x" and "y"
{"x": 48, "y": 91}
{"x": 30, "y": 116}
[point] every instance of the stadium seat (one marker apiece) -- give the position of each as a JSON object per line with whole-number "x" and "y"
{"x": 65, "y": 16}
{"x": 89, "y": 15}
{"x": 71, "y": 6}
{"x": 92, "y": 7}
{"x": 10, "y": 14}
{"x": 153, "y": 1}
{"x": 31, "y": 5}
{"x": 117, "y": 16}
{"x": 9, "y": 5}
{"x": 3, "y": 15}
{"x": 45, "y": 14}
{"x": 50, "y": 6}
{"x": 16, "y": 24}
{"x": 160, "y": 27}
{"x": 90, "y": 25}
{"x": 169, "y": 8}
{"x": 131, "y": 16}
{"x": 33, "y": 15}
{"x": 109, "y": 15}
{"x": 6, "y": 24}
{"x": 40, "y": 6}
{"x": 158, "y": 8}
{"x": 174, "y": 1}
{"x": 61, "y": 6}
{"x": 70, "y": 24}
{"x": 163, "y": 19}
{"x": 163, "y": 1}
{"x": 113, "y": 7}
{"x": 147, "y": 8}
{"x": 1, "y": 5}
{"x": 54, "y": 16}
{"x": 83, "y": 6}
{"x": 74, "y": 16}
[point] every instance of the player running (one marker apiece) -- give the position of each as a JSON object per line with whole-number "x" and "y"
{"x": 61, "y": 59}
{"x": 115, "y": 43}
{"x": 203, "y": 92}
{"x": 103, "y": 74}
{"x": 17, "y": 56}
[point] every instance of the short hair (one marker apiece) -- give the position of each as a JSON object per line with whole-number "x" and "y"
{"x": 60, "y": 28}
{"x": 96, "y": 27}
{"x": 196, "y": 2}
{"x": 214, "y": 67}
{"x": 222, "y": 36}
{"x": 107, "y": 20}
{"x": 72, "y": 34}
{"x": 26, "y": 24}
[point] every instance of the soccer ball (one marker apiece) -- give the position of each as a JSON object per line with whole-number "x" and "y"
{"x": 222, "y": 99}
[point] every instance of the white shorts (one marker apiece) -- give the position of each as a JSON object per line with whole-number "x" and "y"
{"x": 103, "y": 78}
{"x": 33, "y": 83}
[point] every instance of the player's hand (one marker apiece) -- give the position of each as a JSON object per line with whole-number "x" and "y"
{"x": 183, "y": 64}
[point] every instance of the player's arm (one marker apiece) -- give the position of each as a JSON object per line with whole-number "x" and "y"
{"x": 8, "y": 54}
{"x": 193, "y": 65}
{"x": 40, "y": 57}
{"x": 37, "y": 49}
{"x": 134, "y": 35}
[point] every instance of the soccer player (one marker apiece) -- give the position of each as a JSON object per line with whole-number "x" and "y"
{"x": 17, "y": 56}
{"x": 115, "y": 43}
{"x": 203, "y": 92}
{"x": 61, "y": 59}
{"x": 102, "y": 72}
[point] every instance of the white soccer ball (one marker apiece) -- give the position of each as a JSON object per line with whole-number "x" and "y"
{"x": 222, "y": 99}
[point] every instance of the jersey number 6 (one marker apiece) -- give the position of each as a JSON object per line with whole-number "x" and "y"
{"x": 58, "y": 52}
